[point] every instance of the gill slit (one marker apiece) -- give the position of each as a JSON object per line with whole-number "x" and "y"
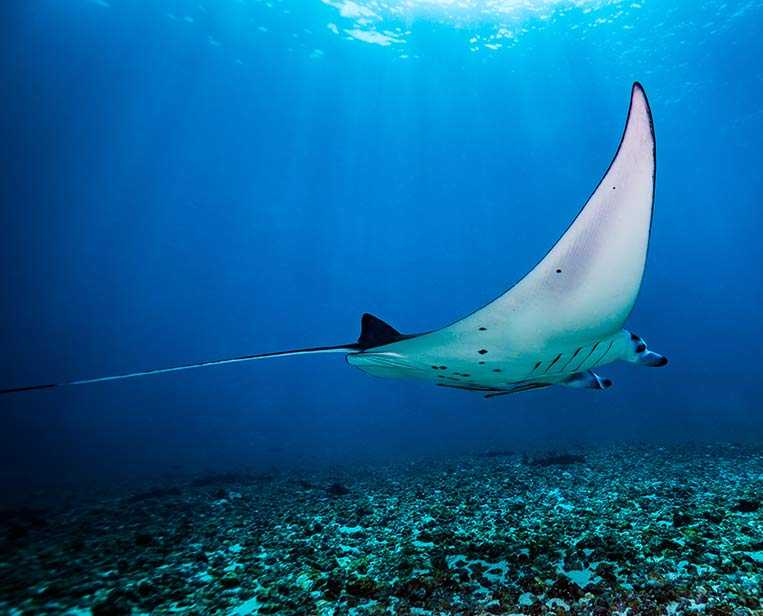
{"x": 586, "y": 357}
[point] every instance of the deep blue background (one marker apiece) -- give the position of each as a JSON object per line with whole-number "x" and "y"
{"x": 168, "y": 198}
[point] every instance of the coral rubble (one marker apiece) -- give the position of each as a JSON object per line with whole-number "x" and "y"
{"x": 627, "y": 530}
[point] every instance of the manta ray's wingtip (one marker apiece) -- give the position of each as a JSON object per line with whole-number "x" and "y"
{"x": 640, "y": 101}
{"x": 638, "y": 91}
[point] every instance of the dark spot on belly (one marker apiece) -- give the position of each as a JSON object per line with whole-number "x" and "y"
{"x": 558, "y": 271}
{"x": 443, "y": 367}
{"x": 483, "y": 329}
{"x": 497, "y": 370}
{"x": 481, "y": 363}
{"x": 482, "y": 351}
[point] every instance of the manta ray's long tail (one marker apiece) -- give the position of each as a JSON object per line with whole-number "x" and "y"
{"x": 342, "y": 348}
{"x": 373, "y": 332}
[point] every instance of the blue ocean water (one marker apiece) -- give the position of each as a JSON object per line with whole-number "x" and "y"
{"x": 185, "y": 181}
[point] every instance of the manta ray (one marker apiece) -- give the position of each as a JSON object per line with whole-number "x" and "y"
{"x": 555, "y": 326}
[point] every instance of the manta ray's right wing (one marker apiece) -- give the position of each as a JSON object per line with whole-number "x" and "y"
{"x": 586, "y": 285}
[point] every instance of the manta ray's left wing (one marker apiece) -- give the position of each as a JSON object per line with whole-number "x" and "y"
{"x": 586, "y": 285}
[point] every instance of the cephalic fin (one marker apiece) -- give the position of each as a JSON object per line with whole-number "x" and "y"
{"x": 643, "y": 356}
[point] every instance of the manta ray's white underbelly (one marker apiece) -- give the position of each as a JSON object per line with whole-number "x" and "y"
{"x": 487, "y": 367}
